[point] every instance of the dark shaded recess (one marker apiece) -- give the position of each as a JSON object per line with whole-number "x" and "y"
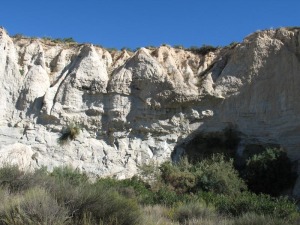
{"x": 250, "y": 150}
{"x": 267, "y": 169}
{"x": 204, "y": 145}
{"x": 36, "y": 106}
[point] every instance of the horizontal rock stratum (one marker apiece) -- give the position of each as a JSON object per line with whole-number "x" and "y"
{"x": 136, "y": 107}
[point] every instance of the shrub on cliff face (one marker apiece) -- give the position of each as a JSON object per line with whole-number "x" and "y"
{"x": 269, "y": 172}
{"x": 203, "y": 50}
{"x": 69, "y": 133}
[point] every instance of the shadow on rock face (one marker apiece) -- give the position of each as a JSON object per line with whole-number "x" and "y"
{"x": 205, "y": 144}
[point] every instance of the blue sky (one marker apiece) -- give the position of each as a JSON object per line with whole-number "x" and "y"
{"x": 136, "y": 23}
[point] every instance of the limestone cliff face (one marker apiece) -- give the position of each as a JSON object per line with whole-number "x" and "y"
{"x": 136, "y": 107}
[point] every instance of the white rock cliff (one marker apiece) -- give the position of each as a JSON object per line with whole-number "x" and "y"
{"x": 134, "y": 108}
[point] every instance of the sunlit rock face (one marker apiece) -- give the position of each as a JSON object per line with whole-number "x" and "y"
{"x": 137, "y": 107}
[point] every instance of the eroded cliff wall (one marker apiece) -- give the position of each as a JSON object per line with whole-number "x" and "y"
{"x": 134, "y": 108}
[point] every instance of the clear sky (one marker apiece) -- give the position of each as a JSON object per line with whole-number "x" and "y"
{"x": 136, "y": 23}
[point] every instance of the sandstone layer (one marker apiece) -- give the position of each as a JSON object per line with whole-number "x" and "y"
{"x": 138, "y": 107}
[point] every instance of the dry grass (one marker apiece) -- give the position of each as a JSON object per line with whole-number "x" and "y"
{"x": 157, "y": 215}
{"x": 69, "y": 133}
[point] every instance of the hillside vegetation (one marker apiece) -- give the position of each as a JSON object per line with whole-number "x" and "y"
{"x": 210, "y": 191}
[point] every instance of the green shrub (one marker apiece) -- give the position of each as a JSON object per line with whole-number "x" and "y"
{"x": 178, "y": 46}
{"x": 36, "y": 206}
{"x": 213, "y": 175}
{"x": 130, "y": 188}
{"x": 68, "y": 174}
{"x": 269, "y": 172}
{"x": 65, "y": 40}
{"x": 202, "y": 50}
{"x": 149, "y": 172}
{"x": 104, "y": 205}
{"x": 14, "y": 179}
{"x": 127, "y": 49}
{"x": 19, "y": 36}
{"x": 218, "y": 175}
{"x": 251, "y": 203}
{"x": 111, "y": 50}
{"x": 10, "y": 175}
{"x": 69, "y": 39}
{"x": 21, "y": 71}
{"x": 165, "y": 196}
{"x": 60, "y": 40}
{"x": 68, "y": 133}
{"x": 178, "y": 176}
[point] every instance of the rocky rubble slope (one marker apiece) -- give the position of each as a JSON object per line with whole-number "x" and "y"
{"x": 134, "y": 108}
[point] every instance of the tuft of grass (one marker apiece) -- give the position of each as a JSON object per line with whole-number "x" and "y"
{"x": 254, "y": 219}
{"x": 157, "y": 214}
{"x": 68, "y": 133}
{"x": 194, "y": 210}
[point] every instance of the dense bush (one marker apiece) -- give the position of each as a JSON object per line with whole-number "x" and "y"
{"x": 208, "y": 192}
{"x": 12, "y": 178}
{"x": 62, "y": 197}
{"x": 178, "y": 176}
{"x": 103, "y": 205}
{"x": 247, "y": 202}
{"x": 70, "y": 175}
{"x": 16, "y": 180}
{"x": 35, "y": 206}
{"x": 213, "y": 175}
{"x": 269, "y": 172}
{"x": 218, "y": 175}
{"x": 132, "y": 188}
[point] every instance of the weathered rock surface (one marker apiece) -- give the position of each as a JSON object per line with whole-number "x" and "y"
{"x": 136, "y": 107}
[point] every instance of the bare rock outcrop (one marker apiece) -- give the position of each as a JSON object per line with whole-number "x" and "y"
{"x": 133, "y": 108}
